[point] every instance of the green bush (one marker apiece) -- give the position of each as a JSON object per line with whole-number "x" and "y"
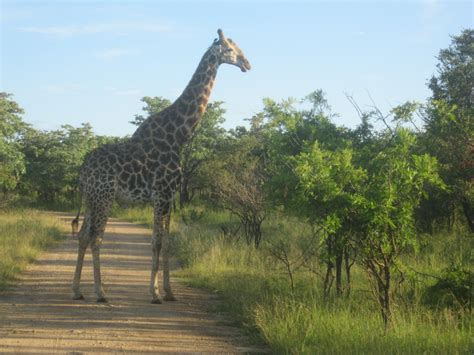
{"x": 453, "y": 289}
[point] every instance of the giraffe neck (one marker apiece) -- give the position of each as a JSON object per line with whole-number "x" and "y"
{"x": 192, "y": 103}
{"x": 176, "y": 123}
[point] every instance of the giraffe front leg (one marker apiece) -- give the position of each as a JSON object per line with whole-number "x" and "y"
{"x": 166, "y": 262}
{"x": 166, "y": 269}
{"x": 156, "y": 243}
{"x": 98, "y": 287}
{"x": 154, "y": 288}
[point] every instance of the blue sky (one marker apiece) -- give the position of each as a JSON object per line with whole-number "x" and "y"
{"x": 68, "y": 62}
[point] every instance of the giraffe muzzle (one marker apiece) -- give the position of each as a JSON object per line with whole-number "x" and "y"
{"x": 245, "y": 66}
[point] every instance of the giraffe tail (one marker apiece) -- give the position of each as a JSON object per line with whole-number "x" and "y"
{"x": 75, "y": 222}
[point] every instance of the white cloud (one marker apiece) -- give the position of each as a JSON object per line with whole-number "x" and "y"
{"x": 90, "y": 29}
{"x": 111, "y": 53}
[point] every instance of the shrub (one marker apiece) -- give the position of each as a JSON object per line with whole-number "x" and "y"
{"x": 453, "y": 289}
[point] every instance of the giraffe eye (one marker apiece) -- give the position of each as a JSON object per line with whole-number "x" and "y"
{"x": 228, "y": 50}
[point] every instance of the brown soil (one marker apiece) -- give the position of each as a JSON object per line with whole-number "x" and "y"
{"x": 38, "y": 314}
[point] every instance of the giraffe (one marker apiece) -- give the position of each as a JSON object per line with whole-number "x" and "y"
{"x": 146, "y": 168}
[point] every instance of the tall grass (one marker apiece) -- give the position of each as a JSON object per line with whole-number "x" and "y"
{"x": 23, "y": 234}
{"x": 305, "y": 326}
{"x": 256, "y": 290}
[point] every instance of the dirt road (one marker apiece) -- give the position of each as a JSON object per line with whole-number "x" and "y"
{"x": 38, "y": 314}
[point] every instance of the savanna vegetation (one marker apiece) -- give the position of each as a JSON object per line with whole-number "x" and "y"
{"x": 23, "y": 234}
{"x": 319, "y": 238}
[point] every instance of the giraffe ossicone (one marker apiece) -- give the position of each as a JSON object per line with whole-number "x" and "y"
{"x": 146, "y": 168}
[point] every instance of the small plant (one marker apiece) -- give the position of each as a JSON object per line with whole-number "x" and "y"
{"x": 191, "y": 216}
{"x": 230, "y": 231}
{"x": 453, "y": 289}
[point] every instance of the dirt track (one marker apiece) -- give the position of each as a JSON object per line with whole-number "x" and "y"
{"x": 38, "y": 314}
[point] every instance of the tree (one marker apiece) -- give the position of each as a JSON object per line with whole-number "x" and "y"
{"x": 202, "y": 148}
{"x": 397, "y": 180}
{"x": 53, "y": 160}
{"x": 449, "y": 126}
{"x": 330, "y": 191}
{"x": 12, "y": 127}
{"x": 453, "y": 83}
{"x": 287, "y": 132}
{"x": 298, "y": 143}
{"x": 238, "y": 185}
{"x": 153, "y": 105}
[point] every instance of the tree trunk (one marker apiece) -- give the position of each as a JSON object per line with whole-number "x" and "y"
{"x": 451, "y": 220}
{"x": 183, "y": 193}
{"x": 257, "y": 232}
{"x": 380, "y": 277}
{"x": 384, "y": 296}
{"x": 328, "y": 279}
{"x": 348, "y": 272}
{"x": 469, "y": 213}
{"x": 339, "y": 274}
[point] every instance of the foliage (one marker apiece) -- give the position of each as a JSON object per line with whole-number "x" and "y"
{"x": 239, "y": 186}
{"x": 453, "y": 83}
{"x": 200, "y": 150}
{"x": 449, "y": 127}
{"x": 53, "y": 160}
{"x": 12, "y": 162}
{"x": 453, "y": 289}
{"x": 330, "y": 194}
{"x": 289, "y": 131}
{"x": 396, "y": 182}
{"x": 153, "y": 105}
{"x": 297, "y": 320}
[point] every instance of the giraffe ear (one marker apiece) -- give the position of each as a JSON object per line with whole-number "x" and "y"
{"x": 221, "y": 35}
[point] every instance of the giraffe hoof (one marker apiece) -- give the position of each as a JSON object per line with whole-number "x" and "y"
{"x": 169, "y": 297}
{"x": 78, "y": 297}
{"x": 102, "y": 300}
{"x": 156, "y": 301}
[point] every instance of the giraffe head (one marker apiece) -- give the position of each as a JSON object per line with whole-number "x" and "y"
{"x": 230, "y": 53}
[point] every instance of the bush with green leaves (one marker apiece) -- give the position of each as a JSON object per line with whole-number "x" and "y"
{"x": 453, "y": 289}
{"x": 12, "y": 160}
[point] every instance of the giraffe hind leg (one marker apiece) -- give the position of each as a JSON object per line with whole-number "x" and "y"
{"x": 99, "y": 221}
{"x": 83, "y": 242}
{"x": 91, "y": 234}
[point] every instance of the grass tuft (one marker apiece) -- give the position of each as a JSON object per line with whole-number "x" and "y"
{"x": 23, "y": 234}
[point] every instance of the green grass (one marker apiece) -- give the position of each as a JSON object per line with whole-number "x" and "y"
{"x": 23, "y": 234}
{"x": 142, "y": 215}
{"x": 300, "y": 326}
{"x": 301, "y": 322}
{"x": 256, "y": 291}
